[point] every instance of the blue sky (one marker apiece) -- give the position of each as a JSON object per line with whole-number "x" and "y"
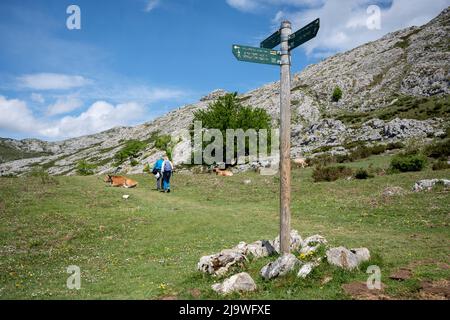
{"x": 133, "y": 60}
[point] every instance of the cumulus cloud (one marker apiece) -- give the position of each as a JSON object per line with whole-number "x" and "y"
{"x": 344, "y": 22}
{"x": 16, "y": 116}
{"x": 64, "y": 105}
{"x": 98, "y": 117}
{"x": 151, "y": 4}
{"x": 51, "y": 81}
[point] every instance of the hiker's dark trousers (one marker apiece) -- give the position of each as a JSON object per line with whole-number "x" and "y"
{"x": 166, "y": 179}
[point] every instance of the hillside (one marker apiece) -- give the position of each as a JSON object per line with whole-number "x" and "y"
{"x": 394, "y": 89}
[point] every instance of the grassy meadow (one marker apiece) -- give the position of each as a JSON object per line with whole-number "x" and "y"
{"x": 147, "y": 247}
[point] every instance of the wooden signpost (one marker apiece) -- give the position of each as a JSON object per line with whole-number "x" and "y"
{"x": 266, "y": 55}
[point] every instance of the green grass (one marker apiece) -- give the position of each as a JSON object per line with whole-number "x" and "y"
{"x": 148, "y": 246}
{"x": 9, "y": 153}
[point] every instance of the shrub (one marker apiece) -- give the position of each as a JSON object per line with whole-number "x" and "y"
{"x": 85, "y": 169}
{"x": 440, "y": 149}
{"x": 41, "y": 173}
{"x": 331, "y": 173}
{"x": 441, "y": 165}
{"x": 337, "y": 94}
{"x": 407, "y": 162}
{"x": 362, "y": 174}
{"x": 130, "y": 151}
{"x": 394, "y": 145}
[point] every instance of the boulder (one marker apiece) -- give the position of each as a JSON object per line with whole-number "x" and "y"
{"x": 306, "y": 269}
{"x": 428, "y": 184}
{"x": 311, "y": 244}
{"x": 296, "y": 242}
{"x": 279, "y": 267}
{"x": 347, "y": 259}
{"x": 258, "y": 249}
{"x": 219, "y": 263}
{"x": 241, "y": 282}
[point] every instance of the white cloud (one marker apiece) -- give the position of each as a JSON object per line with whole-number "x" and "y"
{"x": 64, "y": 105}
{"x": 37, "y": 97}
{"x": 151, "y": 4}
{"x": 51, "y": 81}
{"x": 98, "y": 117}
{"x": 343, "y": 22}
{"x": 16, "y": 116}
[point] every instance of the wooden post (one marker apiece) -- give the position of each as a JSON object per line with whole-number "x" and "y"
{"x": 285, "y": 140}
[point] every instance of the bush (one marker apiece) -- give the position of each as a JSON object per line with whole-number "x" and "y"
{"x": 337, "y": 94}
{"x": 85, "y": 169}
{"x": 441, "y": 165}
{"x": 41, "y": 173}
{"x": 130, "y": 151}
{"x": 331, "y": 173}
{"x": 438, "y": 150}
{"x": 362, "y": 174}
{"x": 407, "y": 162}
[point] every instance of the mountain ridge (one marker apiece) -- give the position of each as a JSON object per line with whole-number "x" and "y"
{"x": 409, "y": 66}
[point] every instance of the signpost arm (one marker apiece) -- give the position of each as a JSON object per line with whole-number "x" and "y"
{"x": 285, "y": 138}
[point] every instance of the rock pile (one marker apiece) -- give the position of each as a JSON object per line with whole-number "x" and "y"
{"x": 306, "y": 255}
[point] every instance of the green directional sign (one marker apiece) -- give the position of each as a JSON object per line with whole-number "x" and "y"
{"x": 257, "y": 55}
{"x": 304, "y": 34}
{"x": 272, "y": 41}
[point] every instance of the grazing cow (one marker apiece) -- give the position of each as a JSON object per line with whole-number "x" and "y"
{"x": 300, "y": 162}
{"x": 223, "y": 173}
{"x": 120, "y": 181}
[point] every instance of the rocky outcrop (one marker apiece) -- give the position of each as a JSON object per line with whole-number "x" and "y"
{"x": 428, "y": 184}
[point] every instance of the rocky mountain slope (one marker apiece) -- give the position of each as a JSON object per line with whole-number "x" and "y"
{"x": 394, "y": 89}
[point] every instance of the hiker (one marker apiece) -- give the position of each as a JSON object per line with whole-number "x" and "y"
{"x": 166, "y": 170}
{"x": 157, "y": 172}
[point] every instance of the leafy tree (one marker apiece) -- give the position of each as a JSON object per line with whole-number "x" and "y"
{"x": 227, "y": 112}
{"x": 337, "y": 94}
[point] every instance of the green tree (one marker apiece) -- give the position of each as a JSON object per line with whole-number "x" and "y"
{"x": 337, "y": 94}
{"x": 227, "y": 112}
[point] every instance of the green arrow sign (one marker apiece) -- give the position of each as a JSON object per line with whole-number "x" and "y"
{"x": 304, "y": 34}
{"x": 272, "y": 41}
{"x": 257, "y": 55}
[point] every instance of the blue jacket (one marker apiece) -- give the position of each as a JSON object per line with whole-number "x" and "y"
{"x": 158, "y": 164}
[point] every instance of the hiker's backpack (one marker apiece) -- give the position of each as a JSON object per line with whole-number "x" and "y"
{"x": 167, "y": 166}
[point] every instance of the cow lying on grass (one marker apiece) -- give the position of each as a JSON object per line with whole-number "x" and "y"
{"x": 223, "y": 173}
{"x": 120, "y": 181}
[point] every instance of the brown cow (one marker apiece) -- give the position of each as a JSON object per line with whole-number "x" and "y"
{"x": 120, "y": 181}
{"x": 300, "y": 162}
{"x": 223, "y": 173}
